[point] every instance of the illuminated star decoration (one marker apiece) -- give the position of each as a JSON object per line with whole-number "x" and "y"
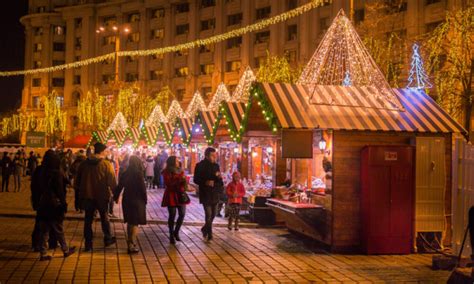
{"x": 119, "y": 123}
{"x": 156, "y": 117}
{"x": 174, "y": 112}
{"x": 342, "y": 49}
{"x": 418, "y": 78}
{"x": 347, "y": 79}
{"x": 221, "y": 95}
{"x": 196, "y": 104}
{"x": 241, "y": 92}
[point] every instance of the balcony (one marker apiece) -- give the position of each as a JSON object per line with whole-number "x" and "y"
{"x": 262, "y": 3}
{"x": 232, "y": 54}
{"x": 260, "y": 48}
{"x": 233, "y": 7}
{"x": 206, "y": 57}
{"x": 156, "y": 64}
{"x": 180, "y": 61}
{"x": 182, "y": 18}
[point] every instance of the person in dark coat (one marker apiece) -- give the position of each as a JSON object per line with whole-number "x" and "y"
{"x": 134, "y": 200}
{"x": 7, "y": 169}
{"x": 175, "y": 186}
{"x": 48, "y": 198}
{"x": 208, "y": 177}
{"x": 32, "y": 163}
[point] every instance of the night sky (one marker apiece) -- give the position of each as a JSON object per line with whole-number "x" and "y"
{"x": 12, "y": 53}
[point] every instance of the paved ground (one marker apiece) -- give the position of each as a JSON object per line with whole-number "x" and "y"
{"x": 250, "y": 255}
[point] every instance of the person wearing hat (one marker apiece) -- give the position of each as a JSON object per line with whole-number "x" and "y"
{"x": 94, "y": 182}
{"x": 235, "y": 192}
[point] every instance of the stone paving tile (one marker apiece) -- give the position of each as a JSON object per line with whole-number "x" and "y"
{"x": 247, "y": 256}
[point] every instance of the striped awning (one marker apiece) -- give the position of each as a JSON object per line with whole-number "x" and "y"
{"x": 119, "y": 135}
{"x": 292, "y": 107}
{"x": 236, "y": 112}
{"x": 209, "y": 119}
{"x": 151, "y": 134}
{"x": 167, "y": 130}
{"x": 135, "y": 134}
{"x": 102, "y": 136}
{"x": 186, "y": 128}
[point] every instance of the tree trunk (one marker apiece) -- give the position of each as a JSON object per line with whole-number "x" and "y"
{"x": 468, "y": 103}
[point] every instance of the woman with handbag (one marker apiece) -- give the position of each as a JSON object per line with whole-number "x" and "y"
{"x": 134, "y": 200}
{"x": 175, "y": 196}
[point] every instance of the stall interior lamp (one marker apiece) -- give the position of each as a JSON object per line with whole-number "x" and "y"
{"x": 322, "y": 145}
{"x": 269, "y": 150}
{"x": 254, "y": 154}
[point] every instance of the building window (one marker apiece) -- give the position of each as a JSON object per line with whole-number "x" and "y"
{"x": 38, "y": 47}
{"x": 234, "y": 42}
{"x": 76, "y": 97}
{"x": 180, "y": 94}
{"x": 208, "y": 3}
{"x": 133, "y": 18}
{"x": 78, "y": 23}
{"x": 36, "y": 101}
{"x": 59, "y": 30}
{"x": 323, "y": 24}
{"x": 41, "y": 9}
{"x": 206, "y": 48}
{"x": 182, "y": 29}
{"x": 232, "y": 66}
{"x": 131, "y": 58}
{"x": 158, "y": 56}
{"x": 182, "y": 8}
{"x": 58, "y": 82}
{"x": 432, "y": 26}
{"x": 156, "y": 74}
{"x": 290, "y": 56}
{"x": 292, "y": 4}
{"x": 110, "y": 21}
{"x": 234, "y": 19}
{"x": 182, "y": 72}
{"x": 37, "y": 64}
{"x": 292, "y": 33}
{"x": 231, "y": 88}
{"x": 36, "y": 82}
{"x": 58, "y": 62}
{"x": 183, "y": 52}
{"x": 263, "y": 13}
{"x": 207, "y": 69}
{"x": 75, "y": 121}
{"x": 107, "y": 78}
{"x": 60, "y": 101}
{"x": 77, "y": 58}
{"x": 78, "y": 43}
{"x": 359, "y": 16}
{"x": 262, "y": 37}
{"x": 77, "y": 79}
{"x": 108, "y": 40}
{"x": 158, "y": 13}
{"x": 429, "y": 2}
{"x": 38, "y": 31}
{"x": 208, "y": 24}
{"x": 131, "y": 77}
{"x": 59, "y": 46}
{"x": 157, "y": 34}
{"x": 134, "y": 37}
{"x": 260, "y": 61}
{"x": 206, "y": 92}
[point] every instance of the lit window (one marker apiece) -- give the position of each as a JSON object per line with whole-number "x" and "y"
{"x": 206, "y": 92}
{"x": 158, "y": 13}
{"x": 208, "y": 24}
{"x": 110, "y": 21}
{"x": 206, "y": 48}
{"x": 182, "y": 29}
{"x": 207, "y": 69}
{"x": 232, "y": 66}
{"x": 37, "y": 64}
{"x": 36, "y": 101}
{"x": 183, "y": 52}
{"x": 38, "y": 31}
{"x": 60, "y": 101}
{"x": 108, "y": 40}
{"x": 263, "y": 13}
{"x": 134, "y": 37}
{"x": 290, "y": 55}
{"x": 38, "y": 47}
{"x": 262, "y": 37}
{"x": 58, "y": 30}
{"x": 158, "y": 33}
{"x": 135, "y": 17}
{"x": 235, "y": 19}
{"x": 182, "y": 72}
{"x": 156, "y": 74}
{"x": 158, "y": 56}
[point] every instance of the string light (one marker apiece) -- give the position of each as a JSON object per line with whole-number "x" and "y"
{"x": 119, "y": 123}
{"x": 180, "y": 47}
{"x": 174, "y": 112}
{"x": 156, "y": 117}
{"x": 418, "y": 78}
{"x": 241, "y": 92}
{"x": 221, "y": 95}
{"x": 342, "y": 50}
{"x": 196, "y": 104}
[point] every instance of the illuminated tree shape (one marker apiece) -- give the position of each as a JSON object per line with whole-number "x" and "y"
{"x": 342, "y": 50}
{"x": 156, "y": 117}
{"x": 119, "y": 123}
{"x": 241, "y": 92}
{"x": 418, "y": 78}
{"x": 196, "y": 104}
{"x": 221, "y": 95}
{"x": 174, "y": 112}
{"x": 347, "y": 79}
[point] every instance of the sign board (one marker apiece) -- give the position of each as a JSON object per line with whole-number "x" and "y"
{"x": 391, "y": 156}
{"x": 35, "y": 139}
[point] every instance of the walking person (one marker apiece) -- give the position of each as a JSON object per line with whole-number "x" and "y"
{"x": 111, "y": 160}
{"x": 235, "y": 192}
{"x": 49, "y": 201}
{"x": 7, "y": 167}
{"x": 134, "y": 200}
{"x": 32, "y": 163}
{"x": 208, "y": 177}
{"x": 17, "y": 171}
{"x": 80, "y": 157}
{"x": 94, "y": 183}
{"x": 174, "y": 197}
{"x": 150, "y": 172}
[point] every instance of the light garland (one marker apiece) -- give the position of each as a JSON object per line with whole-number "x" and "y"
{"x": 119, "y": 123}
{"x": 342, "y": 50}
{"x": 241, "y": 92}
{"x": 180, "y": 47}
{"x": 418, "y": 78}
{"x": 175, "y": 111}
{"x": 221, "y": 95}
{"x": 347, "y": 79}
{"x": 196, "y": 104}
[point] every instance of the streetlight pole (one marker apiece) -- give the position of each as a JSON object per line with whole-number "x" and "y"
{"x": 116, "y": 32}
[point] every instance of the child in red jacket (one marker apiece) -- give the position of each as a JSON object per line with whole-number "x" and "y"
{"x": 235, "y": 192}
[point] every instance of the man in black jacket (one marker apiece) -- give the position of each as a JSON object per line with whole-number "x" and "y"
{"x": 208, "y": 177}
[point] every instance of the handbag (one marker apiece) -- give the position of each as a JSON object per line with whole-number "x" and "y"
{"x": 183, "y": 198}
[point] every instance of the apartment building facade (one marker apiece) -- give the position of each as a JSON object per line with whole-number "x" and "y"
{"x": 64, "y": 31}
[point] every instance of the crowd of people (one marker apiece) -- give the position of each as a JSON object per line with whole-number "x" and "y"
{"x": 99, "y": 179}
{"x": 17, "y": 165}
